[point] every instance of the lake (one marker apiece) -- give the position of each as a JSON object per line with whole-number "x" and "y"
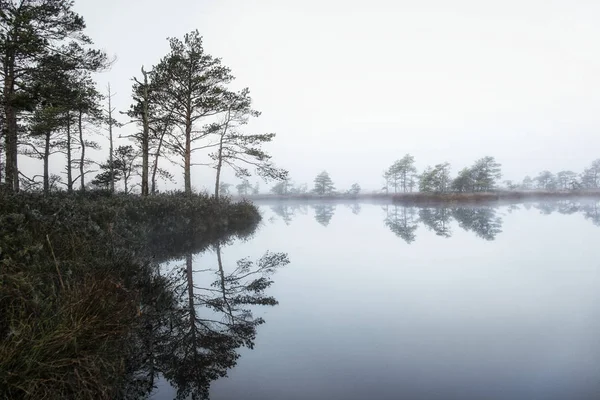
{"x": 386, "y": 302}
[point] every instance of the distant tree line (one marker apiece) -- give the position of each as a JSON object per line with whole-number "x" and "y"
{"x": 322, "y": 186}
{"x": 51, "y": 107}
{"x": 484, "y": 175}
{"x": 562, "y": 180}
{"x": 402, "y": 176}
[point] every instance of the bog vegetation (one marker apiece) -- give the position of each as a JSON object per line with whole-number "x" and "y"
{"x": 77, "y": 275}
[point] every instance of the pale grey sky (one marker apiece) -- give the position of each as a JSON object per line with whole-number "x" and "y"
{"x": 350, "y": 86}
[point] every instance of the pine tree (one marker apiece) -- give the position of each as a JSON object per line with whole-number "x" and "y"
{"x": 193, "y": 89}
{"x": 323, "y": 184}
{"x": 401, "y": 174}
{"x": 29, "y": 32}
{"x": 436, "y": 179}
{"x": 238, "y": 150}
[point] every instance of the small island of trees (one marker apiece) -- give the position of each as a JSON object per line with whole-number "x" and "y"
{"x": 480, "y": 181}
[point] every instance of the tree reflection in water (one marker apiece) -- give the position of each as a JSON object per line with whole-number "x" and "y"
{"x": 590, "y": 209}
{"x": 480, "y": 220}
{"x": 402, "y": 221}
{"x": 483, "y": 221}
{"x": 354, "y": 207}
{"x": 190, "y": 331}
{"x": 287, "y": 211}
{"x": 324, "y": 213}
{"x": 193, "y": 320}
{"x": 437, "y": 219}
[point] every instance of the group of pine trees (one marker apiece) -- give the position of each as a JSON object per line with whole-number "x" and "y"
{"x": 564, "y": 180}
{"x": 402, "y": 176}
{"x": 51, "y": 106}
{"x": 483, "y": 176}
{"x": 322, "y": 186}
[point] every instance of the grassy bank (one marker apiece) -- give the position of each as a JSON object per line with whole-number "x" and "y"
{"x": 72, "y": 271}
{"x": 422, "y": 198}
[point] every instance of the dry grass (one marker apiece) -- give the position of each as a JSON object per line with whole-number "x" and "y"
{"x": 67, "y": 345}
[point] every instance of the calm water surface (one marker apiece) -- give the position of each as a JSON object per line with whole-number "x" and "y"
{"x": 387, "y": 302}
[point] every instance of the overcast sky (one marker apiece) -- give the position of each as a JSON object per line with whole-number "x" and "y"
{"x": 350, "y": 86}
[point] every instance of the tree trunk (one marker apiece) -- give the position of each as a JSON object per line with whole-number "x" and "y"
{"x": 145, "y": 155}
{"x": 145, "y": 136}
{"x": 188, "y": 156}
{"x": 10, "y": 128}
{"x": 223, "y": 287}
{"x": 155, "y": 166}
{"x": 145, "y": 150}
{"x": 218, "y": 178}
{"x": 2, "y": 133}
{"x": 157, "y": 155}
{"x": 110, "y": 138}
{"x": 82, "y": 159}
{"x": 220, "y": 155}
{"x": 190, "y": 283}
{"x": 69, "y": 155}
{"x": 46, "y": 159}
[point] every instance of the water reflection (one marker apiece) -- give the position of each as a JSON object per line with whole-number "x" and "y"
{"x": 473, "y": 317}
{"x": 324, "y": 213}
{"x": 437, "y": 220}
{"x": 402, "y": 221}
{"x": 354, "y": 207}
{"x": 484, "y": 221}
{"x": 589, "y": 209}
{"x": 287, "y": 211}
{"x": 151, "y": 336}
{"x": 592, "y": 212}
{"x": 194, "y": 318}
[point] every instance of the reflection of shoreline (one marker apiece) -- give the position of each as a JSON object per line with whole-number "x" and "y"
{"x": 426, "y": 199}
{"x": 403, "y": 221}
{"x": 589, "y": 209}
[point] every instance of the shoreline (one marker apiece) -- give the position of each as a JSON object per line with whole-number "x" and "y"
{"x": 420, "y": 198}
